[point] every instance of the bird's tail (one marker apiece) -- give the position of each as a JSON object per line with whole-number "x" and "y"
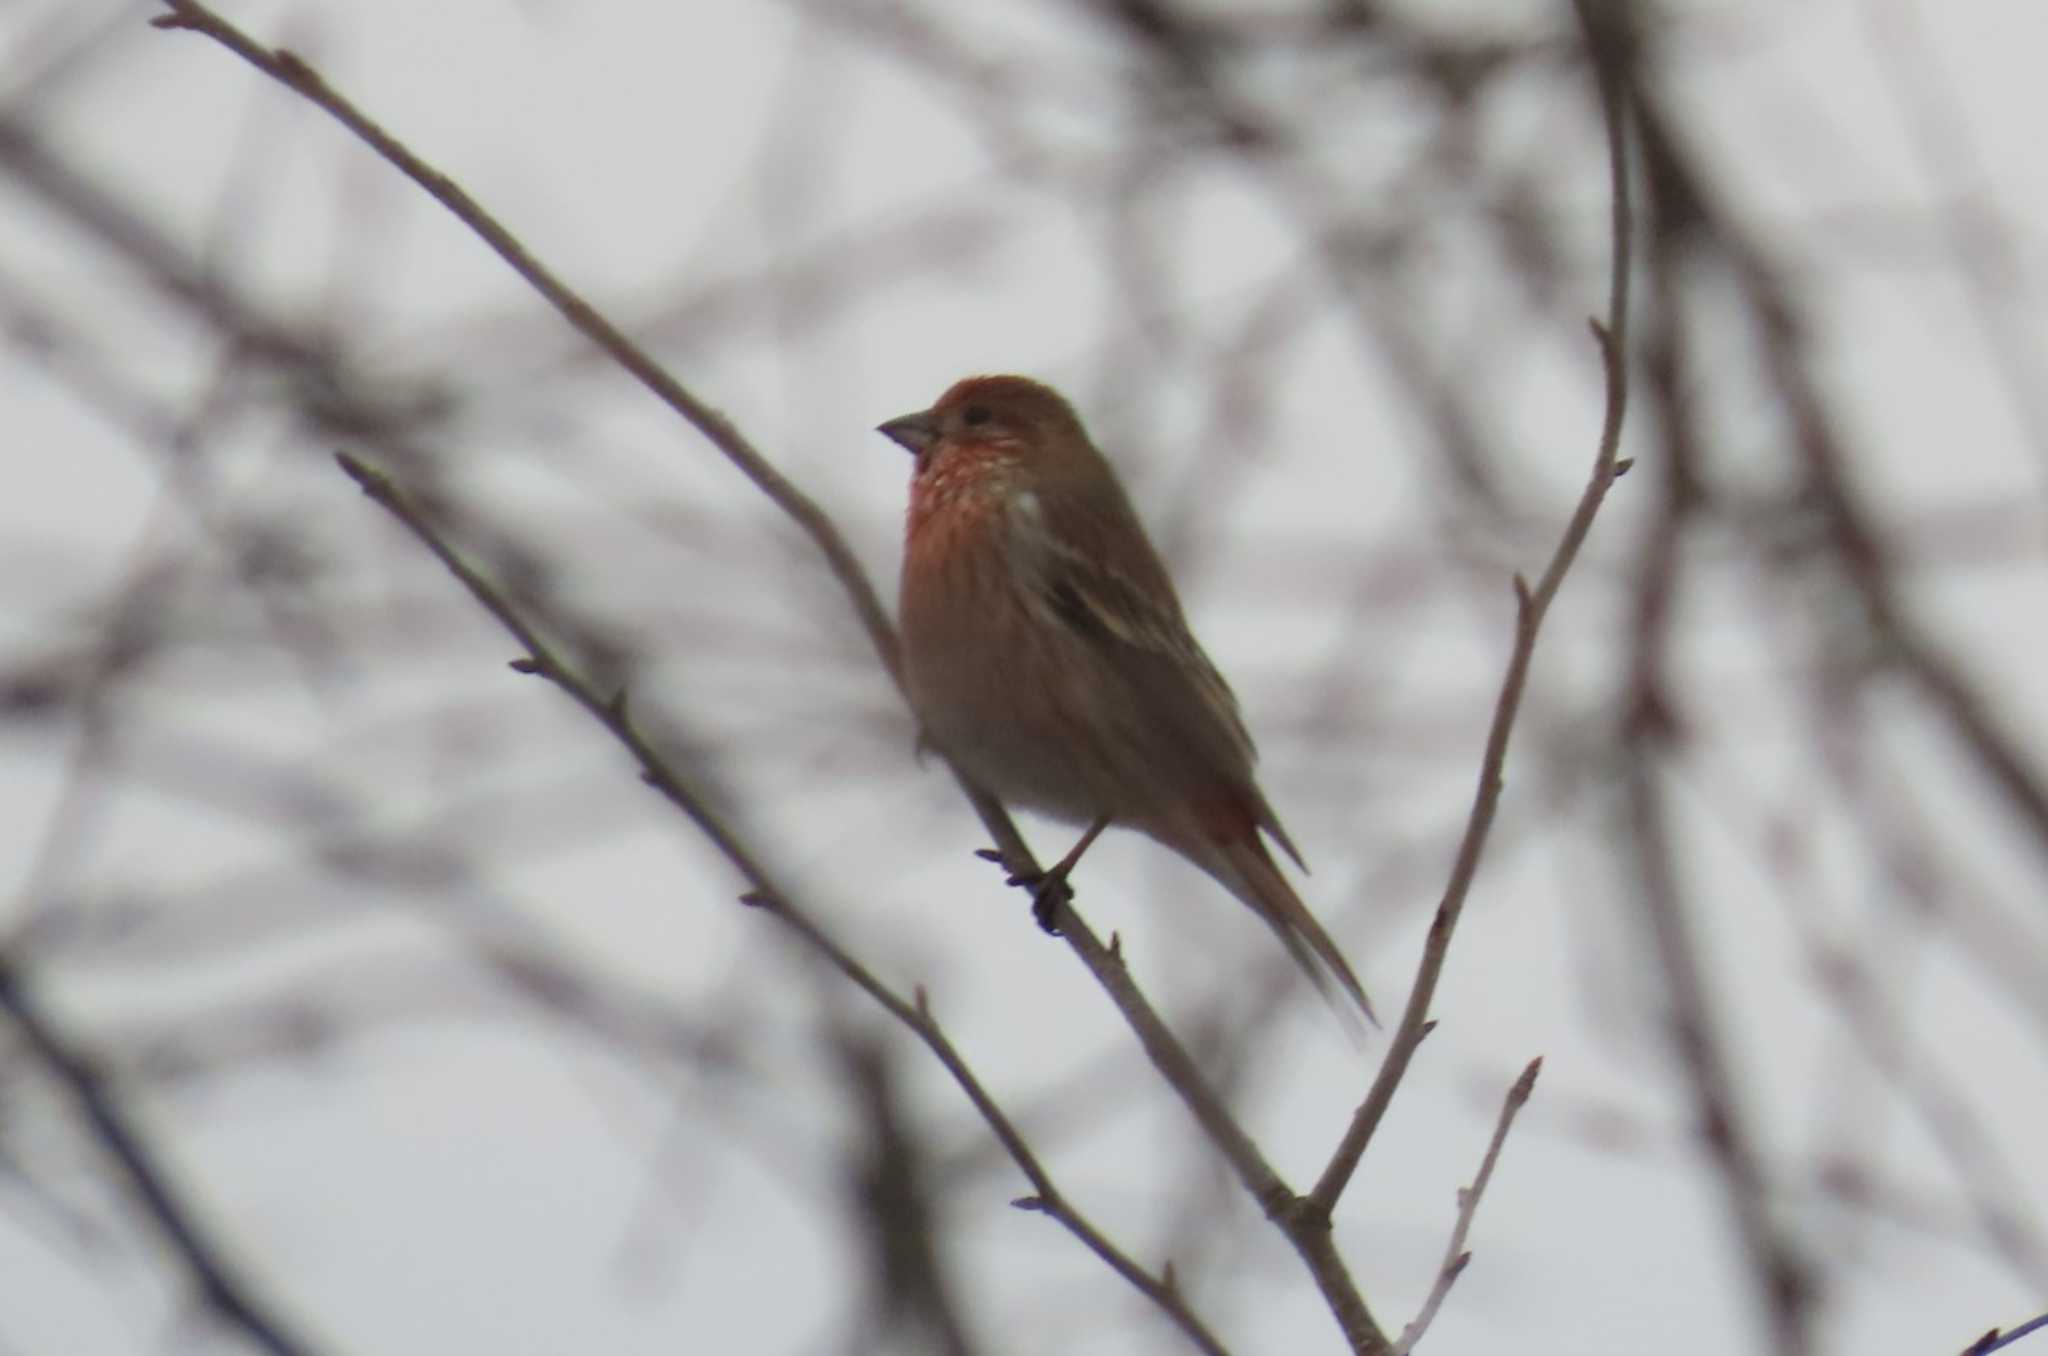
{"x": 1247, "y": 870}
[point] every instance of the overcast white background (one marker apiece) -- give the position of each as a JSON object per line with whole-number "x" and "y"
{"x": 436, "y": 1164}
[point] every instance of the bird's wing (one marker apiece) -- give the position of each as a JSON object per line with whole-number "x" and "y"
{"x": 1092, "y": 570}
{"x": 1093, "y": 567}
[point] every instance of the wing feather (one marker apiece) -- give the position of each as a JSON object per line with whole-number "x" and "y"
{"x": 1089, "y": 567}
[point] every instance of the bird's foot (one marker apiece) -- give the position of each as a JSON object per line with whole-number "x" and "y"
{"x": 1049, "y": 889}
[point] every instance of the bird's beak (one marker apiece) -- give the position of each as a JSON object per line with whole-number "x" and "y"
{"x": 915, "y": 432}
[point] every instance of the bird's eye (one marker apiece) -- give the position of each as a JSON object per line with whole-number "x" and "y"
{"x": 975, "y": 414}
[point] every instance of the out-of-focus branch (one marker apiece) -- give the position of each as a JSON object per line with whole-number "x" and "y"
{"x": 1531, "y": 606}
{"x": 1693, "y": 228}
{"x": 1779, "y": 1273}
{"x": 913, "y": 1303}
{"x": 223, "y": 1290}
{"x": 1455, "y": 1253}
{"x": 762, "y": 892}
{"x": 1974, "y": 721}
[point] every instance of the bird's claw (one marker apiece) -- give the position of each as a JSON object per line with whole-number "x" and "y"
{"x": 1048, "y": 890}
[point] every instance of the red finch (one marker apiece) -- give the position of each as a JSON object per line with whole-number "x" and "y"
{"x": 1046, "y": 654}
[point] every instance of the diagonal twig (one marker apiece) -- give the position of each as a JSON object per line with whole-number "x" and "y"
{"x": 289, "y": 70}
{"x": 541, "y": 660}
{"x": 1997, "y": 1338}
{"x": 1531, "y": 607}
{"x": 224, "y": 1291}
{"x": 1165, "y": 1051}
{"x": 1455, "y": 1253}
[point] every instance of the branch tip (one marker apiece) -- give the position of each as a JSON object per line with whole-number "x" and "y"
{"x": 368, "y": 478}
{"x": 1526, "y": 1084}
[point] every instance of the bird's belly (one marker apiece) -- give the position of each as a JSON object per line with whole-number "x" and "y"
{"x": 1004, "y": 729}
{"x": 1008, "y": 702}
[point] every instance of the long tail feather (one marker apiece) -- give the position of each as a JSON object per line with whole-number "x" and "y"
{"x": 1247, "y": 870}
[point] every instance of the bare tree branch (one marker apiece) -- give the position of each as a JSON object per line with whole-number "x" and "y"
{"x": 289, "y": 71}
{"x": 221, "y": 1287}
{"x": 1996, "y": 1339}
{"x": 1309, "y": 1233}
{"x": 1455, "y": 1255}
{"x": 1531, "y": 606}
{"x": 762, "y": 892}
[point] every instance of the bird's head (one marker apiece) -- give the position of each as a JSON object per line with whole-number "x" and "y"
{"x": 1013, "y": 423}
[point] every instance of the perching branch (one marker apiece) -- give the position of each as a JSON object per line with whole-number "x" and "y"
{"x": 762, "y": 892}
{"x": 1165, "y": 1051}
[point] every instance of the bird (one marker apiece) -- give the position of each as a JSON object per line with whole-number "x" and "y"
{"x": 1045, "y": 653}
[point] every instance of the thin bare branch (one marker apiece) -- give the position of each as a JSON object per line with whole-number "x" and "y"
{"x": 288, "y": 70}
{"x": 762, "y": 892}
{"x": 1997, "y": 1338}
{"x": 1780, "y": 1275}
{"x": 1165, "y": 1051}
{"x": 1455, "y": 1254}
{"x": 1531, "y": 606}
{"x": 223, "y": 1289}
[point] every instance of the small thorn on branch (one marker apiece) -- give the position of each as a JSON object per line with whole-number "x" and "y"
{"x": 1623, "y": 466}
{"x": 992, "y": 855}
{"x": 526, "y": 664}
{"x": 923, "y": 1000}
{"x": 757, "y": 899}
{"x": 1035, "y": 1204}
